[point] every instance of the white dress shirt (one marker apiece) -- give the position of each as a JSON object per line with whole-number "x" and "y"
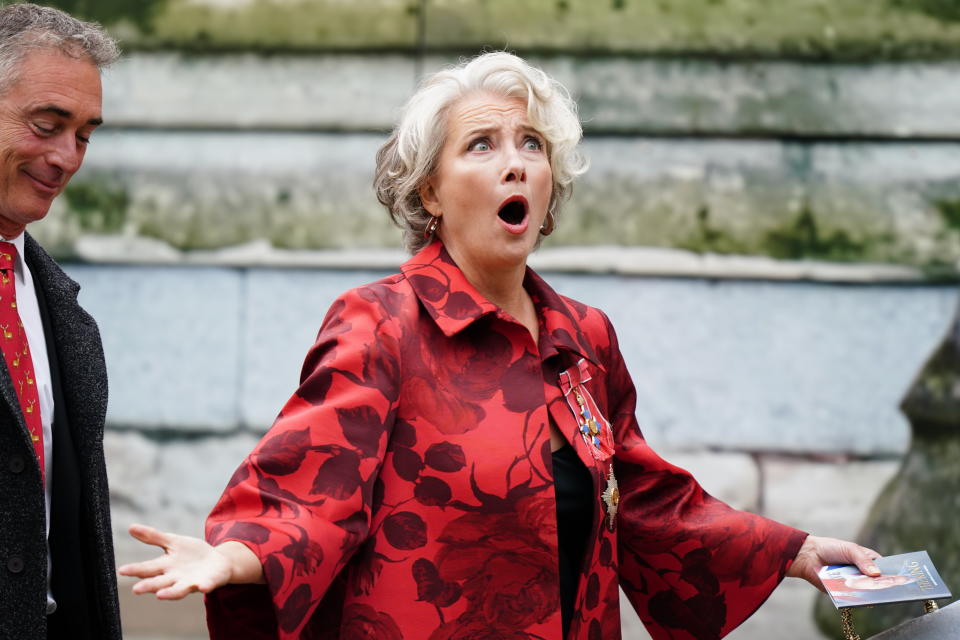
{"x": 29, "y": 310}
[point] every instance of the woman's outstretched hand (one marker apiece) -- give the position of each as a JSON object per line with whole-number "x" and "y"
{"x": 817, "y": 552}
{"x": 189, "y": 564}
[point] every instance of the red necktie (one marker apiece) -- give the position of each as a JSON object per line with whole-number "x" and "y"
{"x": 16, "y": 351}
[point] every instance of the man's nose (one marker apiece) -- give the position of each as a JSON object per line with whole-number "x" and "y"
{"x": 66, "y": 154}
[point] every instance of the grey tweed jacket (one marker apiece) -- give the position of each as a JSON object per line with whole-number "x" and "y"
{"x": 80, "y": 384}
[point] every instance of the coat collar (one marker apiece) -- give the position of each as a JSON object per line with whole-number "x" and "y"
{"x": 454, "y": 303}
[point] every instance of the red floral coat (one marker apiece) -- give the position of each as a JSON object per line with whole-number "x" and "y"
{"x": 405, "y": 491}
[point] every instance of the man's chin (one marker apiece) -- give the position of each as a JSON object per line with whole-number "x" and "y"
{"x": 31, "y": 210}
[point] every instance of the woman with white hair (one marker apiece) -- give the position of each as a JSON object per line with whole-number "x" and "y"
{"x": 461, "y": 459}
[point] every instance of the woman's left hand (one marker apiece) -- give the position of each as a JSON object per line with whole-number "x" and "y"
{"x": 817, "y": 552}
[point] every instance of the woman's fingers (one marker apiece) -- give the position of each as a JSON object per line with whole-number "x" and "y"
{"x": 817, "y": 552}
{"x": 145, "y": 569}
{"x": 149, "y": 535}
{"x": 153, "y": 585}
{"x": 187, "y": 565}
{"x": 180, "y": 589}
{"x": 864, "y": 559}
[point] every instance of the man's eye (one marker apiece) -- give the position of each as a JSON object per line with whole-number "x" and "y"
{"x": 43, "y": 128}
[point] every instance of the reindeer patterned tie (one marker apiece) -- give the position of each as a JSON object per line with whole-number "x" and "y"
{"x": 16, "y": 351}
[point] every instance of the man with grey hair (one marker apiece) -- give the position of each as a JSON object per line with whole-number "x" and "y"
{"x": 57, "y": 576}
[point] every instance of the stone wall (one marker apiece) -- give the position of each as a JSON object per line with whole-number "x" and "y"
{"x": 781, "y": 398}
{"x": 783, "y": 159}
{"x": 772, "y": 202}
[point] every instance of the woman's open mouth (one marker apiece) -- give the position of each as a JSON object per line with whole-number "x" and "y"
{"x": 513, "y": 213}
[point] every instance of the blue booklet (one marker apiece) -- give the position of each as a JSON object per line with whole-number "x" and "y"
{"x": 904, "y": 577}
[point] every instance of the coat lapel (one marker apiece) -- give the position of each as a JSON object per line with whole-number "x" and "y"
{"x": 73, "y": 343}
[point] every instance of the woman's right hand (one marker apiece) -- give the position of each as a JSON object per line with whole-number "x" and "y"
{"x": 189, "y": 564}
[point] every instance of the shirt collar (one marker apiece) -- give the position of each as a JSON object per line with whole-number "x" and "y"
{"x": 18, "y": 264}
{"x": 454, "y": 303}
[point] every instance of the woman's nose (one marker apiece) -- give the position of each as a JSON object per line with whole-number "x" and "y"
{"x": 515, "y": 169}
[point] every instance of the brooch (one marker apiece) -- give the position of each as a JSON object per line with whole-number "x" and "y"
{"x": 589, "y": 428}
{"x": 611, "y": 497}
{"x": 593, "y": 427}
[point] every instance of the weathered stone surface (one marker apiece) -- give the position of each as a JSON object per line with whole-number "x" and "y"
{"x": 920, "y": 507}
{"x": 933, "y": 402}
{"x": 355, "y": 92}
{"x": 839, "y": 29}
{"x": 281, "y": 325}
{"x": 832, "y": 361}
{"x": 784, "y": 616}
{"x": 728, "y": 365}
{"x": 731, "y": 477}
{"x": 169, "y": 483}
{"x": 172, "y": 344}
{"x": 146, "y": 618}
{"x": 827, "y": 498}
{"x": 869, "y": 202}
{"x": 339, "y": 92}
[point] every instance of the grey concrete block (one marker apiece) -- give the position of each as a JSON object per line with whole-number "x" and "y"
{"x": 169, "y": 484}
{"x": 171, "y": 339}
{"x": 763, "y": 366}
{"x": 731, "y": 477}
{"x": 244, "y": 91}
{"x": 354, "y": 92}
{"x": 206, "y": 190}
{"x": 284, "y": 311}
{"x": 729, "y": 365}
{"x": 784, "y": 616}
{"x": 824, "y": 498}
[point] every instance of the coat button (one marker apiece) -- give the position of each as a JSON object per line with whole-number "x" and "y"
{"x": 15, "y": 564}
{"x": 16, "y": 464}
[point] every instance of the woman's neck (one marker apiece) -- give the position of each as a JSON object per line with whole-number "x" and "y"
{"x": 504, "y": 288}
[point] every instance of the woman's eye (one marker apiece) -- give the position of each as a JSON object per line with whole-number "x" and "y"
{"x": 532, "y": 144}
{"x": 480, "y": 145}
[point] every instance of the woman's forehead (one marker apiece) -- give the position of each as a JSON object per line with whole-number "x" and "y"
{"x": 488, "y": 110}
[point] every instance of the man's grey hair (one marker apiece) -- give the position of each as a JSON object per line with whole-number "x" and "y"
{"x": 409, "y": 157}
{"x": 26, "y": 27}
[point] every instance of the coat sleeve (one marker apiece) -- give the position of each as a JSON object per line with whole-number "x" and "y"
{"x": 301, "y": 501}
{"x": 692, "y": 566}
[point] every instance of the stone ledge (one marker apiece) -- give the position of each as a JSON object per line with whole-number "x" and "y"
{"x": 838, "y": 29}
{"x": 614, "y": 260}
{"x": 354, "y": 92}
{"x": 893, "y": 203}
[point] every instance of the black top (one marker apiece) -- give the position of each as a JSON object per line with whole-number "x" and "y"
{"x": 573, "y": 485}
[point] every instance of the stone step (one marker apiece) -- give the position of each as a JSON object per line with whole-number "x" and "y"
{"x": 838, "y": 29}
{"x": 848, "y": 202}
{"x": 616, "y": 94}
{"x": 724, "y": 364}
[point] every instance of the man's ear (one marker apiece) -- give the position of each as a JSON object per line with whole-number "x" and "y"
{"x": 428, "y": 198}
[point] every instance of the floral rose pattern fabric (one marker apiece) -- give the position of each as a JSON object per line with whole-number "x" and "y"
{"x": 405, "y": 491}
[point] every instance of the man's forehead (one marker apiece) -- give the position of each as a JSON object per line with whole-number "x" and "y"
{"x": 49, "y": 80}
